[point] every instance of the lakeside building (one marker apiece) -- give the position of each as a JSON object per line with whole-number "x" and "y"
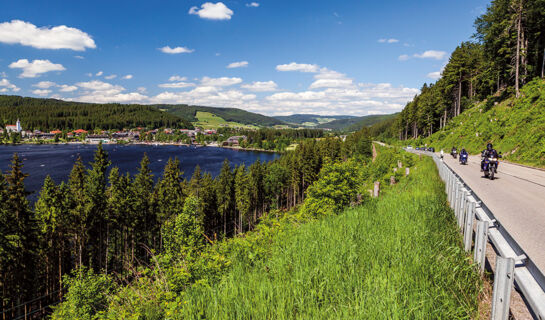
{"x": 234, "y": 140}
{"x": 14, "y": 127}
{"x": 97, "y": 138}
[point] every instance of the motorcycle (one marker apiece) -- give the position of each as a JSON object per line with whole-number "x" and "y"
{"x": 489, "y": 167}
{"x": 454, "y": 153}
{"x": 463, "y": 158}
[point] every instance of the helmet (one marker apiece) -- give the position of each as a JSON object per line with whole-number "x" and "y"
{"x": 489, "y": 146}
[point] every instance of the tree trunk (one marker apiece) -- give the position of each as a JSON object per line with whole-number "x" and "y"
{"x": 517, "y": 57}
{"x": 543, "y": 65}
{"x": 459, "y": 107}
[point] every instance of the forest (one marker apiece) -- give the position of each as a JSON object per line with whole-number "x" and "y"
{"x": 117, "y": 226}
{"x": 51, "y": 114}
{"x": 507, "y": 52}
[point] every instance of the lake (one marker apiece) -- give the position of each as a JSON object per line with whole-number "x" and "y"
{"x": 57, "y": 160}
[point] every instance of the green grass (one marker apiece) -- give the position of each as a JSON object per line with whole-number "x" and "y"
{"x": 516, "y": 127}
{"x": 396, "y": 258}
{"x": 208, "y": 120}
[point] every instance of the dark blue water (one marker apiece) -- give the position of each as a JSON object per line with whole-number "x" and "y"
{"x": 57, "y": 160}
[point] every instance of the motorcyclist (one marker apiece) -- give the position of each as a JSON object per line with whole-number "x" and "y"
{"x": 490, "y": 152}
{"x": 462, "y": 153}
{"x": 453, "y": 152}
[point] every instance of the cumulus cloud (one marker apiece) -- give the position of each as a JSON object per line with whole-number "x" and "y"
{"x": 110, "y": 77}
{"x": 240, "y": 64}
{"x": 176, "y": 50}
{"x": 180, "y": 84}
{"x": 252, "y": 5}
{"x": 220, "y": 82}
{"x": 35, "y": 68}
{"x": 260, "y": 86}
{"x": 434, "y": 75}
{"x": 128, "y": 77}
{"x": 59, "y": 37}
{"x": 431, "y": 54}
{"x": 177, "y": 78}
{"x": 102, "y": 92}
{"x": 301, "y": 67}
{"x": 67, "y": 88}
{"x": 79, "y": 57}
{"x": 44, "y": 84}
{"x": 6, "y": 86}
{"x": 98, "y": 74}
{"x": 404, "y": 57}
{"x": 212, "y": 11}
{"x": 391, "y": 40}
{"x": 41, "y": 92}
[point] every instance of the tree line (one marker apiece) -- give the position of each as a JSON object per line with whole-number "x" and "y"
{"x": 51, "y": 114}
{"x": 507, "y": 51}
{"x": 113, "y": 223}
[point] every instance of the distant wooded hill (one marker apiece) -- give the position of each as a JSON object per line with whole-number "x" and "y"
{"x": 50, "y": 114}
{"x": 310, "y": 120}
{"x": 355, "y": 124}
{"x": 228, "y": 114}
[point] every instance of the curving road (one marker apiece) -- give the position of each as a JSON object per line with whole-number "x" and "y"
{"x": 517, "y": 199}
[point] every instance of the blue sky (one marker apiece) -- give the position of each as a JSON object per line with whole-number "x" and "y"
{"x": 274, "y": 57}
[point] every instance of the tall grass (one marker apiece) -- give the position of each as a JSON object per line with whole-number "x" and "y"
{"x": 398, "y": 257}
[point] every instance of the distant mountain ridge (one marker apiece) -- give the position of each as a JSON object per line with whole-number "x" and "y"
{"x": 310, "y": 120}
{"x": 228, "y": 114}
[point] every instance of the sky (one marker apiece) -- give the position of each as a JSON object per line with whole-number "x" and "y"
{"x": 273, "y": 57}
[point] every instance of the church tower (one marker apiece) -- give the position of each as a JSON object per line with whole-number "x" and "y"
{"x": 18, "y": 126}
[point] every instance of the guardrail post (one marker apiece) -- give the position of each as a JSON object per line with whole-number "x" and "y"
{"x": 480, "y": 244}
{"x": 468, "y": 227}
{"x": 462, "y": 209}
{"x": 457, "y": 198}
{"x": 503, "y": 283}
{"x": 376, "y": 189}
{"x": 407, "y": 171}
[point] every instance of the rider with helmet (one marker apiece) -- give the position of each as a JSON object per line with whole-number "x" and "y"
{"x": 489, "y": 152}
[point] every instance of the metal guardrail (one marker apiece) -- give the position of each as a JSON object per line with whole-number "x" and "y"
{"x": 511, "y": 258}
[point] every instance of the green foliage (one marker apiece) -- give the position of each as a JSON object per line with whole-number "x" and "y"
{"x": 50, "y": 114}
{"x": 356, "y": 123}
{"x": 87, "y": 295}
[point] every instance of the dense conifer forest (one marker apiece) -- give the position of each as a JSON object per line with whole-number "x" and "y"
{"x": 507, "y": 52}
{"x": 51, "y": 114}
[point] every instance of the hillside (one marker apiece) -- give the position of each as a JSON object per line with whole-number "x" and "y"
{"x": 310, "y": 120}
{"x": 516, "y": 127}
{"x": 355, "y": 124}
{"x": 50, "y": 114}
{"x": 227, "y": 114}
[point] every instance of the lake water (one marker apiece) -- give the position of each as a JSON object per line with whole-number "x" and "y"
{"x": 57, "y": 160}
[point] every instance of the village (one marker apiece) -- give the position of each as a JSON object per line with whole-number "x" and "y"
{"x": 15, "y": 133}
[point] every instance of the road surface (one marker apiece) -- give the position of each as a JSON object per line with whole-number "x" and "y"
{"x": 517, "y": 199}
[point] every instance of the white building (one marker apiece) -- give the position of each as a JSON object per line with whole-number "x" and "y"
{"x": 14, "y": 127}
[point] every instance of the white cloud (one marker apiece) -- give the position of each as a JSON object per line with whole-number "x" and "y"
{"x": 35, "y": 68}
{"x": 260, "y": 86}
{"x": 6, "y": 86}
{"x": 99, "y": 73}
{"x": 431, "y": 54}
{"x": 141, "y": 89}
{"x": 180, "y": 84}
{"x": 102, "y": 92}
{"x": 128, "y": 77}
{"x": 110, "y": 77}
{"x": 220, "y": 82}
{"x": 67, "y": 88}
{"x": 331, "y": 83}
{"x": 301, "y": 67}
{"x": 59, "y": 37}
{"x": 177, "y": 78}
{"x": 89, "y": 74}
{"x": 176, "y": 50}
{"x": 434, "y": 75}
{"x": 252, "y": 5}
{"x": 404, "y": 57}
{"x": 44, "y": 84}
{"x": 240, "y": 64}
{"x": 212, "y": 11}
{"x": 391, "y": 40}
{"x": 41, "y": 92}
{"x": 79, "y": 57}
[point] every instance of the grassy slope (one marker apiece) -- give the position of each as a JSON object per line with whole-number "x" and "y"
{"x": 355, "y": 124}
{"x": 516, "y": 127}
{"x": 208, "y": 120}
{"x": 399, "y": 257}
{"x": 228, "y": 114}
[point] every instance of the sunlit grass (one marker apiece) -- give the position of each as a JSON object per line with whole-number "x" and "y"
{"x": 396, "y": 258}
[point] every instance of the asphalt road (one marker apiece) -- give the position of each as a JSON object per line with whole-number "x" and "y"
{"x": 516, "y": 197}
